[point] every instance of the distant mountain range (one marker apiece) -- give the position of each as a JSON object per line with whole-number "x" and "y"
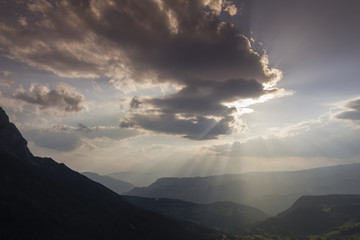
{"x": 225, "y": 216}
{"x": 113, "y": 184}
{"x": 138, "y": 179}
{"x": 271, "y": 192}
{"x": 42, "y": 199}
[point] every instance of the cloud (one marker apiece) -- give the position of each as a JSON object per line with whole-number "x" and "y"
{"x": 83, "y": 128}
{"x": 229, "y": 7}
{"x": 65, "y": 98}
{"x": 207, "y": 98}
{"x": 134, "y": 103}
{"x": 353, "y": 111}
{"x": 5, "y": 78}
{"x": 196, "y": 111}
{"x": 199, "y": 128}
{"x": 183, "y": 43}
{"x": 10, "y": 104}
{"x": 66, "y": 138}
{"x": 110, "y": 132}
{"x": 54, "y": 138}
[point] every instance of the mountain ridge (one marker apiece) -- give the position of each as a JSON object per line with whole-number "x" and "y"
{"x": 271, "y": 192}
{"x": 225, "y": 216}
{"x": 315, "y": 215}
{"x": 43, "y": 199}
{"x": 115, "y": 185}
{"x": 11, "y": 140}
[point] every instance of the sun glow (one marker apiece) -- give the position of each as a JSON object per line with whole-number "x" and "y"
{"x": 243, "y": 104}
{"x": 242, "y": 107}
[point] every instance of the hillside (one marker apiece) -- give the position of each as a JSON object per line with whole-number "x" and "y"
{"x": 42, "y": 199}
{"x": 139, "y": 179}
{"x": 116, "y": 185}
{"x": 315, "y": 215}
{"x": 226, "y": 216}
{"x": 271, "y": 192}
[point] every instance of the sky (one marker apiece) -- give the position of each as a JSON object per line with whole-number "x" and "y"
{"x": 184, "y": 88}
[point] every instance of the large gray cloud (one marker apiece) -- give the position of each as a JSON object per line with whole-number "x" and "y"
{"x": 206, "y": 98}
{"x": 353, "y": 112}
{"x": 197, "y": 128}
{"x": 180, "y": 42}
{"x": 65, "y": 97}
{"x": 193, "y": 110}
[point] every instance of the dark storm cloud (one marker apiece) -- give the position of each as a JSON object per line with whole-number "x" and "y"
{"x": 179, "y": 42}
{"x": 64, "y": 98}
{"x": 196, "y": 128}
{"x": 353, "y": 112}
{"x": 205, "y": 97}
{"x": 191, "y": 111}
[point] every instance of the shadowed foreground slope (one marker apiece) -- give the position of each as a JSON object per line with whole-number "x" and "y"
{"x": 42, "y": 199}
{"x": 227, "y": 216}
{"x": 315, "y": 215}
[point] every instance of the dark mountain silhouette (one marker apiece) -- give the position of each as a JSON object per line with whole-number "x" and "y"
{"x": 226, "y": 216}
{"x": 314, "y": 215}
{"x": 116, "y": 185}
{"x": 272, "y": 192}
{"x": 42, "y": 199}
{"x": 11, "y": 140}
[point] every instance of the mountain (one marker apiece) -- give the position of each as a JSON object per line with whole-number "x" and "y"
{"x": 226, "y": 216}
{"x": 315, "y": 215}
{"x": 42, "y": 199}
{"x": 116, "y": 185}
{"x": 271, "y": 192}
{"x": 136, "y": 178}
{"x": 11, "y": 140}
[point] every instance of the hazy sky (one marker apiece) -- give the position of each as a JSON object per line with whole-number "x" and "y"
{"x": 188, "y": 87}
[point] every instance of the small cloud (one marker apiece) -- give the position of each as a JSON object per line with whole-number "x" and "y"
{"x": 22, "y": 21}
{"x": 134, "y": 103}
{"x": 5, "y": 78}
{"x": 230, "y": 8}
{"x": 352, "y": 112}
{"x": 10, "y": 103}
{"x": 126, "y": 124}
{"x": 110, "y": 132}
{"x": 83, "y": 128}
{"x": 64, "y": 98}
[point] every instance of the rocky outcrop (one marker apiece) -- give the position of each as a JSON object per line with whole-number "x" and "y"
{"x": 11, "y": 140}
